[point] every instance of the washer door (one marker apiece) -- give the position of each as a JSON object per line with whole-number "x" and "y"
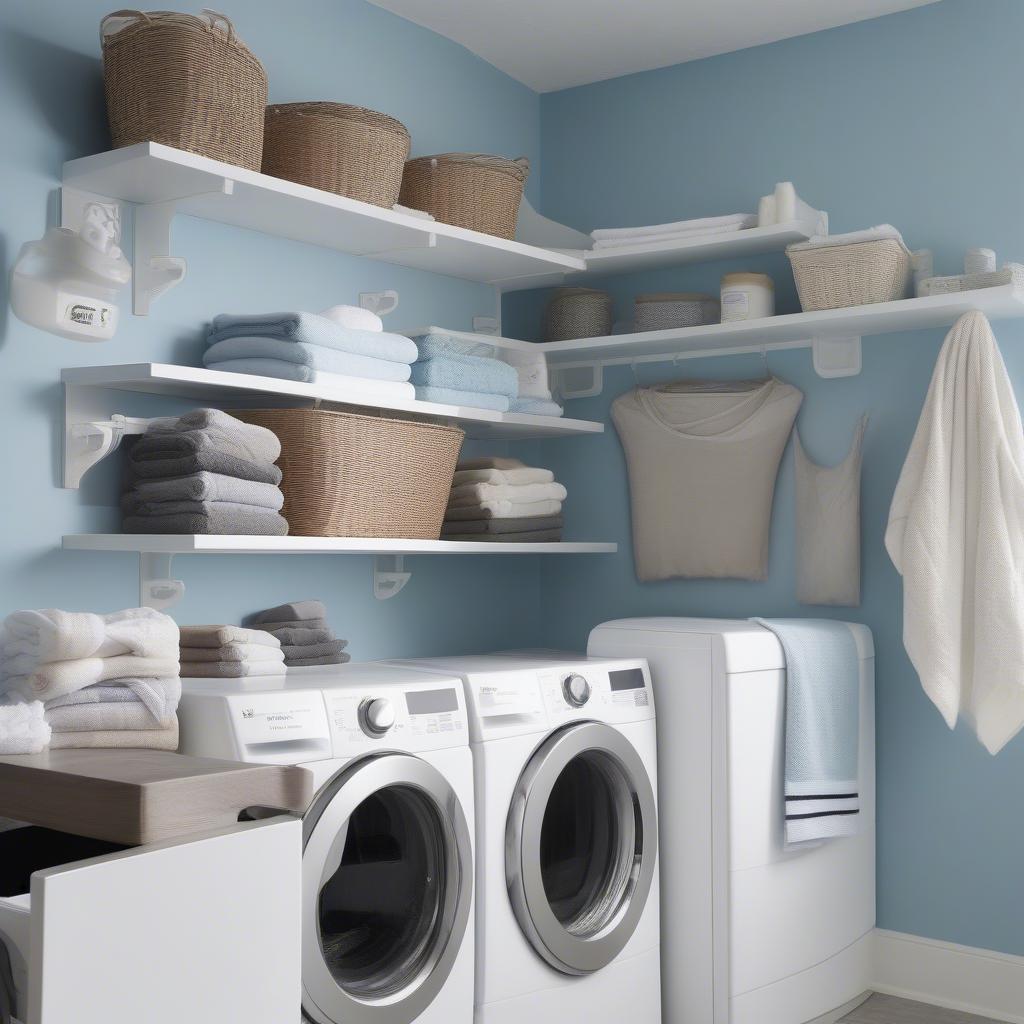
{"x": 387, "y": 879}
{"x": 581, "y": 847}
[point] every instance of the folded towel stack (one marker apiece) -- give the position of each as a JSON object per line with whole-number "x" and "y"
{"x": 460, "y": 371}
{"x": 75, "y": 679}
{"x": 300, "y": 627}
{"x": 503, "y": 500}
{"x": 314, "y": 349}
{"x": 677, "y": 231}
{"x": 229, "y": 652}
{"x": 534, "y": 396}
{"x": 204, "y": 472}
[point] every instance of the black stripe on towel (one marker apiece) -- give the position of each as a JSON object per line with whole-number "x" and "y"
{"x": 820, "y": 814}
{"x": 825, "y": 796}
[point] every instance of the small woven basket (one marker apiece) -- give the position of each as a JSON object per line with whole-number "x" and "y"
{"x": 469, "y": 190}
{"x": 578, "y": 313}
{"x": 857, "y": 274}
{"x": 183, "y": 81}
{"x": 666, "y": 311}
{"x": 348, "y": 150}
{"x": 352, "y": 475}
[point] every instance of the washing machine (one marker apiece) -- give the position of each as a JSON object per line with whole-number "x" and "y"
{"x": 753, "y": 931}
{"x": 387, "y": 865}
{"x": 567, "y": 838}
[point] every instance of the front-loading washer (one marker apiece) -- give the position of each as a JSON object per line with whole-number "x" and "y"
{"x": 567, "y": 837}
{"x": 387, "y": 866}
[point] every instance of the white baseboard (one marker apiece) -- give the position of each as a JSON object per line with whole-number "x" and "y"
{"x": 944, "y": 974}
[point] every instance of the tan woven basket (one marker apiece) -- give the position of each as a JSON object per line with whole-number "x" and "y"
{"x": 352, "y": 475}
{"x": 469, "y": 190}
{"x": 336, "y": 147}
{"x": 667, "y": 311}
{"x": 183, "y": 81}
{"x": 857, "y": 274}
{"x": 578, "y": 313}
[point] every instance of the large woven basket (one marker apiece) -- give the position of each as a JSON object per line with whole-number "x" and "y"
{"x": 183, "y": 81}
{"x": 578, "y": 313}
{"x": 856, "y": 274}
{"x": 667, "y": 311}
{"x": 336, "y": 147}
{"x": 352, "y": 475}
{"x": 469, "y": 190}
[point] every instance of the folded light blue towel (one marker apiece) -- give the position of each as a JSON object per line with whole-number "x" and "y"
{"x": 316, "y": 357}
{"x": 311, "y": 329}
{"x": 535, "y": 407}
{"x": 467, "y": 373}
{"x": 438, "y": 344}
{"x": 822, "y": 728}
{"x": 471, "y": 399}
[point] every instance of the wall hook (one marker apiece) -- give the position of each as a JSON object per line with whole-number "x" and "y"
{"x": 389, "y": 576}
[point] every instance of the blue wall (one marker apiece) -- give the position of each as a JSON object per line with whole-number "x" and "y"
{"x": 52, "y": 109}
{"x": 903, "y": 119}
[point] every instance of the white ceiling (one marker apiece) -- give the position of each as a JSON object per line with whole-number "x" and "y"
{"x": 555, "y": 44}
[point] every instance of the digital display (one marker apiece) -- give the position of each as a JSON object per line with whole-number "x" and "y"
{"x": 627, "y": 679}
{"x": 431, "y": 702}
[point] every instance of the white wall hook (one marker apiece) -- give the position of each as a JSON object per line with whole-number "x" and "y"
{"x": 380, "y": 303}
{"x": 157, "y": 588}
{"x": 837, "y": 357}
{"x": 389, "y": 576}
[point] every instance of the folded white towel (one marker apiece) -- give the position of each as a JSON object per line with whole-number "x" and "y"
{"x": 515, "y": 477}
{"x": 23, "y": 729}
{"x": 56, "y": 679}
{"x": 354, "y": 317}
{"x": 731, "y": 221}
{"x": 95, "y": 717}
{"x": 115, "y": 739}
{"x": 516, "y": 494}
{"x": 532, "y": 369}
{"x": 954, "y": 534}
{"x": 675, "y": 236}
{"x": 503, "y": 510}
{"x": 159, "y": 696}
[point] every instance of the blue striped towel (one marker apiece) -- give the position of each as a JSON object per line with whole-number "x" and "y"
{"x": 467, "y": 373}
{"x": 439, "y": 344}
{"x": 470, "y": 399}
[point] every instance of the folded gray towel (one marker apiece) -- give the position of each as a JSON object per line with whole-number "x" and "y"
{"x": 299, "y": 635}
{"x": 233, "y": 652}
{"x": 131, "y": 505}
{"x": 304, "y": 651}
{"x": 529, "y": 537}
{"x": 212, "y": 429}
{"x": 159, "y": 694}
{"x": 308, "y": 609}
{"x": 520, "y": 525}
{"x": 331, "y": 659}
{"x": 276, "y": 627}
{"x": 210, "y": 487}
{"x": 218, "y": 636}
{"x": 156, "y": 465}
{"x": 258, "y": 523}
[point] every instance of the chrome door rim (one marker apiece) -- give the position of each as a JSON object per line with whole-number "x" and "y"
{"x": 325, "y": 1001}
{"x": 563, "y": 950}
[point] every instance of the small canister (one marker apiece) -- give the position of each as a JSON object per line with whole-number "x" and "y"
{"x": 747, "y": 296}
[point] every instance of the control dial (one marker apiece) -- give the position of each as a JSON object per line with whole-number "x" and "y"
{"x": 576, "y": 690}
{"x": 376, "y": 716}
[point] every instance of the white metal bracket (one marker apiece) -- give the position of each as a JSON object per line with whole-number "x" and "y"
{"x": 380, "y": 303}
{"x": 389, "y": 576}
{"x": 837, "y": 357}
{"x": 584, "y": 381}
{"x": 157, "y": 588}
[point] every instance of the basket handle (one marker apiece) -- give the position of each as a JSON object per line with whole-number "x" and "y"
{"x": 125, "y": 13}
{"x": 216, "y": 18}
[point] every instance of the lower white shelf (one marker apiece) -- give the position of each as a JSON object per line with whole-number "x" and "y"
{"x": 195, "y": 544}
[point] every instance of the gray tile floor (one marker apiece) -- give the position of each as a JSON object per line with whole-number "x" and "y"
{"x": 890, "y": 1010}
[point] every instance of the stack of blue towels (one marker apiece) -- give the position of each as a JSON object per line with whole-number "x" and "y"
{"x": 462, "y": 371}
{"x": 313, "y": 349}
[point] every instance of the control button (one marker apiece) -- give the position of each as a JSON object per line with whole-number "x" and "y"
{"x": 376, "y": 716}
{"x": 576, "y": 690}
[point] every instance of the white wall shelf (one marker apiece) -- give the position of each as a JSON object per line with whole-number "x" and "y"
{"x": 93, "y": 426}
{"x": 162, "y": 182}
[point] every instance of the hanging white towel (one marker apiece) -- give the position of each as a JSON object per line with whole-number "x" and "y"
{"x": 956, "y": 535}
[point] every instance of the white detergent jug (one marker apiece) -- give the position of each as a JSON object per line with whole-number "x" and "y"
{"x": 66, "y": 283}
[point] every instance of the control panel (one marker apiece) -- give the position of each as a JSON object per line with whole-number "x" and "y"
{"x": 427, "y": 718}
{"x": 596, "y": 690}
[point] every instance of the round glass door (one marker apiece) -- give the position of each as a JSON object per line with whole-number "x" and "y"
{"x": 387, "y": 880}
{"x": 581, "y": 847}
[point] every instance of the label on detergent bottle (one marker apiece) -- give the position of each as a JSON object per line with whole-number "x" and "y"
{"x": 735, "y": 305}
{"x": 87, "y": 316}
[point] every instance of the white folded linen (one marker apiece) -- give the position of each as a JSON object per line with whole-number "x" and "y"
{"x": 675, "y": 236}
{"x": 159, "y": 696}
{"x": 354, "y": 317}
{"x": 516, "y": 494}
{"x": 955, "y": 535}
{"x": 23, "y": 729}
{"x": 532, "y": 369}
{"x": 56, "y": 679}
{"x": 98, "y": 717}
{"x": 148, "y": 739}
{"x": 515, "y": 477}
{"x": 503, "y": 510}
{"x": 867, "y": 235}
{"x": 731, "y": 221}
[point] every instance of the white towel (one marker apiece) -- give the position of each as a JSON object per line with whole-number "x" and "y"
{"x": 59, "y": 678}
{"x": 731, "y": 222}
{"x": 956, "y": 535}
{"x": 516, "y": 494}
{"x": 354, "y": 317}
{"x": 525, "y": 475}
{"x": 23, "y": 729}
{"x": 503, "y": 510}
{"x": 532, "y": 369}
{"x": 159, "y": 696}
{"x": 874, "y": 234}
{"x": 675, "y": 236}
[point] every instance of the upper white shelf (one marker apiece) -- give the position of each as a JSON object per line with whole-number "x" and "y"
{"x": 149, "y": 174}
{"x": 218, "y": 387}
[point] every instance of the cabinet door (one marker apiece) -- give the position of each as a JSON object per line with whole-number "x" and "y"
{"x": 201, "y": 931}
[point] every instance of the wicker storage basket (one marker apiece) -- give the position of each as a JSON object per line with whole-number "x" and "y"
{"x": 578, "y": 313}
{"x": 336, "y": 147}
{"x": 857, "y": 274}
{"x": 351, "y": 475}
{"x": 666, "y": 311}
{"x": 183, "y": 81}
{"x": 469, "y": 190}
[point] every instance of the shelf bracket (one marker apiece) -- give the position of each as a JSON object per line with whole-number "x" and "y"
{"x": 389, "y": 576}
{"x": 429, "y": 241}
{"x": 157, "y": 588}
{"x": 837, "y": 357}
{"x": 583, "y": 381}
